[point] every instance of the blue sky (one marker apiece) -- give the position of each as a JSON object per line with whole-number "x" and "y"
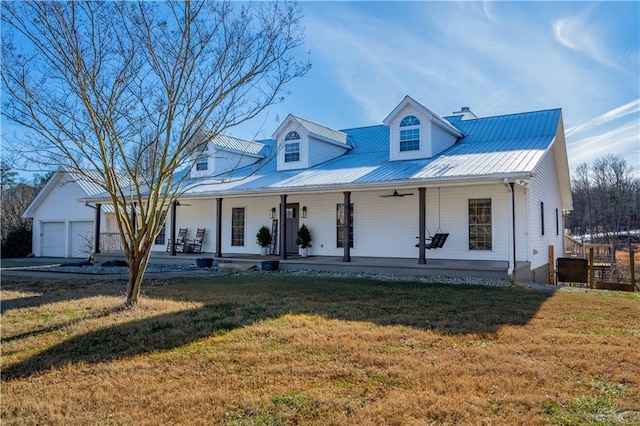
{"x": 495, "y": 57}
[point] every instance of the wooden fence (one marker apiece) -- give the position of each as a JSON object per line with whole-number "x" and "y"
{"x": 600, "y": 260}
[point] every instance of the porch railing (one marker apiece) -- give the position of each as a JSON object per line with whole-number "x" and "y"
{"x": 110, "y": 241}
{"x": 604, "y": 255}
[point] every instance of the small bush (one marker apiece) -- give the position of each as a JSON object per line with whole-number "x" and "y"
{"x": 17, "y": 243}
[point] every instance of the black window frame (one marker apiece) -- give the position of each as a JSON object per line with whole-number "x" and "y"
{"x": 480, "y": 217}
{"x": 238, "y": 217}
{"x": 161, "y": 238}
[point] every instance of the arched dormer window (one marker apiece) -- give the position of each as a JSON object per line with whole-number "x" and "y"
{"x": 410, "y": 135}
{"x": 292, "y": 147}
{"x": 292, "y": 136}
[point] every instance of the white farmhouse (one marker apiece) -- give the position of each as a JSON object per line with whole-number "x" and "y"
{"x": 497, "y": 187}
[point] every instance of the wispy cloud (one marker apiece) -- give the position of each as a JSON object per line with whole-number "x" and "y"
{"x": 623, "y": 140}
{"x": 632, "y": 107}
{"x": 579, "y": 34}
{"x": 496, "y": 57}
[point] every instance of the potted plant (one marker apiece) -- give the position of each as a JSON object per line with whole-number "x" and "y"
{"x": 304, "y": 240}
{"x": 263, "y": 238}
{"x": 204, "y": 262}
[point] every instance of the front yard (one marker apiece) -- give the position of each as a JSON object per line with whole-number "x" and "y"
{"x": 262, "y": 349}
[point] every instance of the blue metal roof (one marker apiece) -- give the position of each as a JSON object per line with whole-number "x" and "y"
{"x": 492, "y": 146}
{"x": 231, "y": 143}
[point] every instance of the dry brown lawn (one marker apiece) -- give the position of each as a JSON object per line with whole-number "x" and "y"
{"x": 280, "y": 350}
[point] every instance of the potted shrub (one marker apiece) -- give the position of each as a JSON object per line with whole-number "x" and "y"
{"x": 304, "y": 240}
{"x": 204, "y": 262}
{"x": 263, "y": 238}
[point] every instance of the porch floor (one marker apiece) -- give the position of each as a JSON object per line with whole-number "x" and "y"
{"x": 371, "y": 265}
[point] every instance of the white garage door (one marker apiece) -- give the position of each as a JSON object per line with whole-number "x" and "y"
{"x": 81, "y": 239}
{"x": 53, "y": 238}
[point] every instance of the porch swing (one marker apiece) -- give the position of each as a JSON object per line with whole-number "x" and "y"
{"x": 439, "y": 238}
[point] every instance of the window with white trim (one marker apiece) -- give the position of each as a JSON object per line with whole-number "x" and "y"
{"x": 480, "y": 224}
{"x": 410, "y": 134}
{"x": 162, "y": 235}
{"x": 202, "y": 164}
{"x": 292, "y": 147}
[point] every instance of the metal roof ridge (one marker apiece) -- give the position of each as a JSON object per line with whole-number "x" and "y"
{"x": 317, "y": 124}
{"x": 505, "y": 115}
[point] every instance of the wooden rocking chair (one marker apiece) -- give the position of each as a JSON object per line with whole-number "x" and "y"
{"x": 195, "y": 245}
{"x": 181, "y": 241}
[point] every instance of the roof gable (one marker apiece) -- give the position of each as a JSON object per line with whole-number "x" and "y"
{"x": 64, "y": 176}
{"x": 437, "y": 119}
{"x": 319, "y": 131}
{"x": 237, "y": 145}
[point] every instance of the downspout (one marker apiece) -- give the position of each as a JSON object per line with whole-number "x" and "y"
{"x": 511, "y": 202}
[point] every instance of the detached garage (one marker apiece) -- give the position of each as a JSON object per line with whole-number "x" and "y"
{"x": 63, "y": 226}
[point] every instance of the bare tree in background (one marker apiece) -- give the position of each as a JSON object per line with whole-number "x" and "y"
{"x": 94, "y": 82}
{"x": 606, "y": 200}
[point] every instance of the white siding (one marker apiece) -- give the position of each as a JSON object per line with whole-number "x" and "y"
{"x": 425, "y": 136}
{"x": 440, "y": 140}
{"x": 312, "y": 150}
{"x": 320, "y": 151}
{"x": 61, "y": 205}
{"x": 224, "y": 161}
{"x": 193, "y": 214}
{"x": 304, "y": 142}
{"x": 383, "y": 227}
{"x": 544, "y": 187}
{"x": 81, "y": 238}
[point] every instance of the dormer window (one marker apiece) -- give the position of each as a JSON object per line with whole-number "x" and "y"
{"x": 410, "y": 133}
{"x": 292, "y": 147}
{"x": 202, "y": 164}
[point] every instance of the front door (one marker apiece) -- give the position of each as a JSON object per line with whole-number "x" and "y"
{"x": 292, "y": 228}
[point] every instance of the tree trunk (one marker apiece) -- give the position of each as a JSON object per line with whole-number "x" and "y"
{"x": 137, "y": 266}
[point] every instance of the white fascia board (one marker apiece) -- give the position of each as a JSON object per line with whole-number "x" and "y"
{"x": 331, "y": 141}
{"x": 234, "y": 151}
{"x": 449, "y": 129}
{"x": 406, "y": 183}
{"x": 289, "y": 118}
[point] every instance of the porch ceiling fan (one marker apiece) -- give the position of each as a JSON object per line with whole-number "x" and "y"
{"x": 396, "y": 194}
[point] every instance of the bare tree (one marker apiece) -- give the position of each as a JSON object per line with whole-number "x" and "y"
{"x": 91, "y": 81}
{"x": 15, "y": 201}
{"x": 605, "y": 198}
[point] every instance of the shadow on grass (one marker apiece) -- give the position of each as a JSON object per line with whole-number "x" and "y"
{"x": 234, "y": 302}
{"x": 52, "y": 290}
